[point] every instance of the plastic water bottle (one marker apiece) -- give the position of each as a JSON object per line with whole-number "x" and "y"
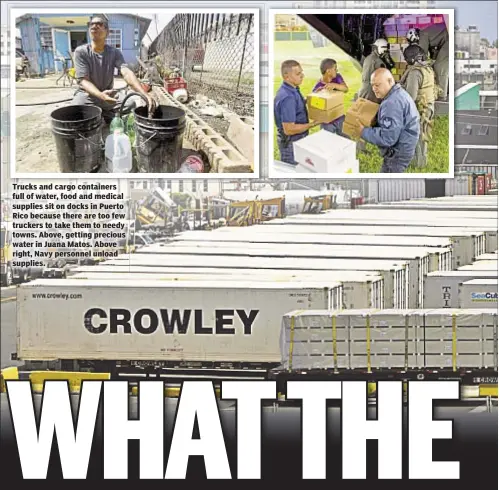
{"x": 118, "y": 152}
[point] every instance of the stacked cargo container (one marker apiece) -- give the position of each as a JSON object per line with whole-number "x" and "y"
{"x": 361, "y": 289}
{"x": 369, "y": 271}
{"x": 441, "y": 288}
{"x": 446, "y": 339}
{"x": 395, "y": 273}
{"x": 478, "y": 293}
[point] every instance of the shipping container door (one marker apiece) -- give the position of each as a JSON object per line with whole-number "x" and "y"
{"x": 62, "y": 47}
{"x": 434, "y": 188}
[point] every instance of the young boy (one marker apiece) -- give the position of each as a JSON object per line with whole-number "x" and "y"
{"x": 331, "y": 80}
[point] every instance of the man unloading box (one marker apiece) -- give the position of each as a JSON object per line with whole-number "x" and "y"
{"x": 95, "y": 64}
{"x": 397, "y": 132}
{"x": 290, "y": 111}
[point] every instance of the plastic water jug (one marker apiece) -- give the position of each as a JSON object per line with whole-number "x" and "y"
{"x": 118, "y": 152}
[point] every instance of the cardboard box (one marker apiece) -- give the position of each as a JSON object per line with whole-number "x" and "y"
{"x": 351, "y": 129}
{"x": 396, "y": 77}
{"x": 362, "y": 110}
{"x": 401, "y": 65}
{"x": 326, "y": 106}
{"x": 325, "y": 152}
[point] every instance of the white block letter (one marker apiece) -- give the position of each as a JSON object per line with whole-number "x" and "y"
{"x": 314, "y": 395}
{"x": 149, "y": 429}
{"x": 356, "y": 429}
{"x": 34, "y": 448}
{"x": 423, "y": 429}
{"x": 198, "y": 399}
{"x": 249, "y": 396}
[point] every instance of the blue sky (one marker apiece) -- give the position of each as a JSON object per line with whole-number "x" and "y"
{"x": 481, "y": 14}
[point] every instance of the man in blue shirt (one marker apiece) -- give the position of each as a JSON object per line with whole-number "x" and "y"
{"x": 290, "y": 111}
{"x": 331, "y": 80}
{"x": 397, "y": 131}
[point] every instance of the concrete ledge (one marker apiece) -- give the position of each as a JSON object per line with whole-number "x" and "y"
{"x": 241, "y": 133}
{"x": 222, "y": 155}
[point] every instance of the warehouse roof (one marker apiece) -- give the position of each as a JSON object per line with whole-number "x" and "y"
{"x": 465, "y": 88}
{"x": 476, "y": 128}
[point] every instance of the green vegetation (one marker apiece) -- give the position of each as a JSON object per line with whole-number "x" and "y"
{"x": 438, "y": 152}
{"x": 310, "y": 58}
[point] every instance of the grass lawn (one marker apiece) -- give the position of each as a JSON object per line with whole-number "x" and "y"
{"x": 310, "y": 59}
{"x": 438, "y": 152}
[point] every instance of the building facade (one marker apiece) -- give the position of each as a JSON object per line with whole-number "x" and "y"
{"x": 468, "y": 40}
{"x": 472, "y": 65}
{"x": 49, "y": 39}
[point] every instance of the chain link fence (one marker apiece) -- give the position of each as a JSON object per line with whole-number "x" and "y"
{"x": 216, "y": 53}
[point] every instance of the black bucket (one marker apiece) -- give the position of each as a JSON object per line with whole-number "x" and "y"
{"x": 159, "y": 139}
{"x": 77, "y": 133}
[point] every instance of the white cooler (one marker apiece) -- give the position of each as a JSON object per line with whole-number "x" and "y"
{"x": 327, "y": 153}
{"x": 287, "y": 168}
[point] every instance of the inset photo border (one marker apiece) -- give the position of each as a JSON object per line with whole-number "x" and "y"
{"x": 328, "y": 75}
{"x": 202, "y": 67}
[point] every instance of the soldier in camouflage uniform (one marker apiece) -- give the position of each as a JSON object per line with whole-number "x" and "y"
{"x": 419, "y": 82}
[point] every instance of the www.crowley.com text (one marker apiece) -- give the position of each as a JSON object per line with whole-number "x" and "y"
{"x": 57, "y": 296}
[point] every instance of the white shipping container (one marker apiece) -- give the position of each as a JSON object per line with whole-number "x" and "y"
{"x": 437, "y": 206}
{"x": 395, "y": 273}
{"x": 484, "y": 265}
{"x": 409, "y": 215}
{"x": 489, "y": 228}
{"x": 478, "y": 293}
{"x": 383, "y": 190}
{"x": 467, "y": 244}
{"x": 440, "y": 258}
{"x": 359, "y": 292}
{"x": 441, "y": 288}
{"x": 490, "y": 256}
{"x": 475, "y": 199}
{"x": 458, "y": 186}
{"x": 349, "y": 279}
{"x": 245, "y": 235}
{"x": 219, "y": 321}
{"x": 459, "y": 257}
{"x": 389, "y": 339}
{"x": 421, "y": 260}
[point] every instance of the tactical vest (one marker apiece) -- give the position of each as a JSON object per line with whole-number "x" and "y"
{"x": 428, "y": 92}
